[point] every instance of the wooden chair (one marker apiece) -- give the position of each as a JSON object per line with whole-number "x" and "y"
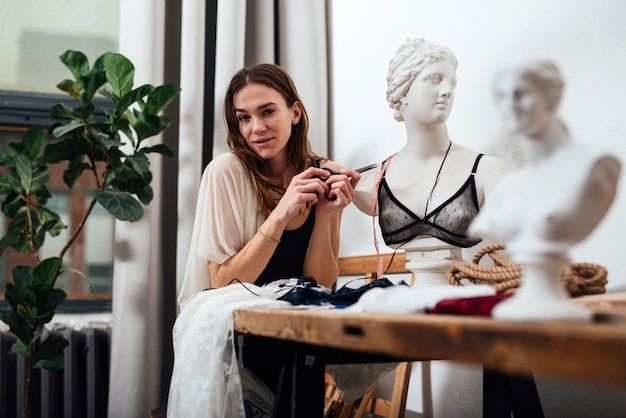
{"x": 388, "y": 408}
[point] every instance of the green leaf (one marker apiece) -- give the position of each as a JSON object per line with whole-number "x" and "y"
{"x": 129, "y": 98}
{"x": 120, "y": 73}
{"x": 5, "y": 159}
{"x": 161, "y": 97}
{"x": 74, "y": 170}
{"x": 12, "y": 296}
{"x": 69, "y": 148}
{"x": 139, "y": 162}
{"x": 16, "y": 326}
{"x": 73, "y": 88}
{"x": 6, "y": 185}
{"x": 22, "y": 348}
{"x": 147, "y": 125}
{"x": 57, "y": 296}
{"x": 32, "y": 177}
{"x": 65, "y": 129}
{"x": 17, "y": 230}
{"x": 47, "y": 270}
{"x": 76, "y": 62}
{"x": 160, "y": 148}
{"x": 33, "y": 140}
{"x": 54, "y": 363}
{"x": 63, "y": 112}
{"x": 120, "y": 204}
{"x": 106, "y": 142}
{"x": 92, "y": 83}
{"x": 52, "y": 345}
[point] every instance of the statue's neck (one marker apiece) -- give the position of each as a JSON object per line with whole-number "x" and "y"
{"x": 541, "y": 145}
{"x": 426, "y": 141}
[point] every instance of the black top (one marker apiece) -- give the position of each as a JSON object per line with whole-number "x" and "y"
{"x": 288, "y": 259}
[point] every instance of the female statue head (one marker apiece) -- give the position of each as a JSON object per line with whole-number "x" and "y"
{"x": 410, "y": 59}
{"x": 528, "y": 95}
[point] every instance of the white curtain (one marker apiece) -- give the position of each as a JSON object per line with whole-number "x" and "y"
{"x": 303, "y": 31}
{"x": 136, "y": 331}
{"x": 135, "y": 358}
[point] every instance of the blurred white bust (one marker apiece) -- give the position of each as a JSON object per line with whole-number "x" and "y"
{"x": 555, "y": 199}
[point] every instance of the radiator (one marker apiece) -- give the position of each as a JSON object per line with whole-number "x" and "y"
{"x": 80, "y": 390}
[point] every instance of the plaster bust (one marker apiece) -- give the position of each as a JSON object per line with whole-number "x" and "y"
{"x": 432, "y": 187}
{"x": 555, "y": 199}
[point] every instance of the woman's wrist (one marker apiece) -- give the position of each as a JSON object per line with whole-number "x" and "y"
{"x": 267, "y": 237}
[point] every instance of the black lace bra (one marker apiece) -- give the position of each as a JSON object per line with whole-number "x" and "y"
{"x": 448, "y": 222}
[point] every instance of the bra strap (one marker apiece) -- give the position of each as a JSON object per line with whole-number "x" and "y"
{"x": 374, "y": 203}
{"x": 476, "y": 163}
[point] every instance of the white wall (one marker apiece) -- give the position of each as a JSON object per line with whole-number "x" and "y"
{"x": 587, "y": 39}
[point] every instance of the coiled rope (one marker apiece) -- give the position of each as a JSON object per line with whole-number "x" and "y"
{"x": 505, "y": 276}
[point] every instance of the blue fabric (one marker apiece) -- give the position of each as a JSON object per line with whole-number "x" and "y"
{"x": 307, "y": 292}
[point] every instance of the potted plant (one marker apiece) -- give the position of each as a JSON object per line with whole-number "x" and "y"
{"x": 112, "y": 150}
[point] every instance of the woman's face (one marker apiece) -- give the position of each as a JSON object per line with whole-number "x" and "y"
{"x": 265, "y": 120}
{"x": 431, "y": 95}
{"x": 523, "y": 107}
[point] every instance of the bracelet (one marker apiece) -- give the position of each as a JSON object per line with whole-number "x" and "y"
{"x": 274, "y": 240}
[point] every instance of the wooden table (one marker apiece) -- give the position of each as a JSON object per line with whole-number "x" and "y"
{"x": 591, "y": 352}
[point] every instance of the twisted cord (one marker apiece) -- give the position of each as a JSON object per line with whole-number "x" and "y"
{"x": 505, "y": 276}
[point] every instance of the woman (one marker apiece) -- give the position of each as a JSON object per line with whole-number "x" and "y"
{"x": 267, "y": 210}
{"x": 432, "y": 187}
{"x": 556, "y": 198}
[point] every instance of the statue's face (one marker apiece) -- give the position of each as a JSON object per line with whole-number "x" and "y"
{"x": 523, "y": 107}
{"x": 431, "y": 95}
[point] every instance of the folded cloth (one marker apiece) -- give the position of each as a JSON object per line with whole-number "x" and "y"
{"x": 406, "y": 299}
{"x": 478, "y": 306}
{"x": 306, "y": 291}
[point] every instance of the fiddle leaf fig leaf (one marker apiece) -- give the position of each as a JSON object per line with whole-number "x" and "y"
{"x": 120, "y": 204}
{"x": 120, "y": 73}
{"x": 55, "y": 298}
{"x": 140, "y": 163}
{"x": 62, "y": 111}
{"x": 73, "y": 88}
{"x": 96, "y": 79}
{"x": 148, "y": 125}
{"x": 65, "y": 129}
{"x": 47, "y": 270}
{"x": 53, "y": 364}
{"x": 16, "y": 326}
{"x": 129, "y": 98}
{"x": 22, "y": 348}
{"x": 159, "y": 148}
{"x": 33, "y": 140}
{"x": 76, "y": 62}
{"x": 161, "y": 97}
{"x": 32, "y": 177}
{"x": 49, "y": 355}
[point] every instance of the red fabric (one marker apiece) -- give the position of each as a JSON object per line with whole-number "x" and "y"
{"x": 479, "y": 305}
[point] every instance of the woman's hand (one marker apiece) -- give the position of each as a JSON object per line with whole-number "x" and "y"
{"x": 340, "y": 193}
{"x": 305, "y": 189}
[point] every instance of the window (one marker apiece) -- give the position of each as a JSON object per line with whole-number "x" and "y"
{"x": 91, "y": 253}
{"x": 33, "y": 34}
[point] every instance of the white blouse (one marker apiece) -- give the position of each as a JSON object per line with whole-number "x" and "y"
{"x": 226, "y": 219}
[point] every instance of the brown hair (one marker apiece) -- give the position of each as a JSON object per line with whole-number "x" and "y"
{"x": 298, "y": 148}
